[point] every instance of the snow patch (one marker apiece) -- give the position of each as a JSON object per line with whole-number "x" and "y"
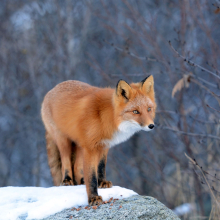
{"x": 183, "y": 209}
{"x": 38, "y": 202}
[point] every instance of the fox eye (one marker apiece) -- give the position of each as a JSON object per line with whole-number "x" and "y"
{"x": 136, "y": 112}
{"x": 149, "y": 109}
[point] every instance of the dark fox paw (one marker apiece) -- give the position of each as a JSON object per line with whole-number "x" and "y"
{"x": 95, "y": 200}
{"x": 105, "y": 184}
{"x": 67, "y": 182}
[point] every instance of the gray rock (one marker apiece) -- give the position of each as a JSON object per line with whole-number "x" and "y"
{"x": 135, "y": 207}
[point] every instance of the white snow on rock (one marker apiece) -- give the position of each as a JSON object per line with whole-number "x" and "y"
{"x": 38, "y": 202}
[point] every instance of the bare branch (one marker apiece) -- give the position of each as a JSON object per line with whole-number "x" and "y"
{"x": 192, "y": 63}
{"x": 205, "y": 81}
{"x": 204, "y": 87}
{"x": 200, "y": 168}
{"x": 191, "y": 134}
{"x": 127, "y": 51}
{"x": 184, "y": 115}
{"x": 213, "y": 108}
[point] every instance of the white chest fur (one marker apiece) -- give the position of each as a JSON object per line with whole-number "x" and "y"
{"x": 125, "y": 130}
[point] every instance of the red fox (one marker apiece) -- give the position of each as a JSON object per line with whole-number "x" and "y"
{"x": 82, "y": 122}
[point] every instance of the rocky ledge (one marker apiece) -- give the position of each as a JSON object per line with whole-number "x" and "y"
{"x": 135, "y": 207}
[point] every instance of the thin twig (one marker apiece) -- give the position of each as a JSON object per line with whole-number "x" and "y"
{"x": 204, "y": 87}
{"x": 212, "y": 66}
{"x": 134, "y": 74}
{"x": 184, "y": 115}
{"x": 191, "y": 134}
{"x": 213, "y": 108}
{"x": 204, "y": 81}
{"x": 127, "y": 51}
{"x": 215, "y": 5}
{"x": 196, "y": 164}
{"x": 203, "y": 121}
{"x": 192, "y": 63}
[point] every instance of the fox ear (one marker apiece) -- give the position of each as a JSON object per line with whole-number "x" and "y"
{"x": 123, "y": 89}
{"x": 148, "y": 84}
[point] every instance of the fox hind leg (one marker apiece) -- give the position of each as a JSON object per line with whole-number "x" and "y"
{"x": 90, "y": 165}
{"x": 78, "y": 165}
{"x": 65, "y": 148}
{"x": 54, "y": 160}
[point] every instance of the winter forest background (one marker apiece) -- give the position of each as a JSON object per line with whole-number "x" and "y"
{"x": 43, "y": 43}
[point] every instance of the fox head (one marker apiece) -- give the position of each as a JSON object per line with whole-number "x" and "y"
{"x": 135, "y": 105}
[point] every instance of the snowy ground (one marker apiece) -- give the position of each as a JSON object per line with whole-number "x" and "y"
{"x": 37, "y": 202}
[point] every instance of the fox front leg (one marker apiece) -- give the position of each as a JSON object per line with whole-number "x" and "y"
{"x": 102, "y": 182}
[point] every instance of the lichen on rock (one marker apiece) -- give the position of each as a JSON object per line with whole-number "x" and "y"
{"x": 135, "y": 207}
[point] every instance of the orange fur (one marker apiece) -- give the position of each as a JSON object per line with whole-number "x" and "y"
{"x": 94, "y": 119}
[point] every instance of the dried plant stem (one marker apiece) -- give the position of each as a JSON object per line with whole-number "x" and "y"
{"x": 194, "y": 163}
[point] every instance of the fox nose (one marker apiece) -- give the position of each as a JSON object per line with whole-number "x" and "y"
{"x": 151, "y": 126}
